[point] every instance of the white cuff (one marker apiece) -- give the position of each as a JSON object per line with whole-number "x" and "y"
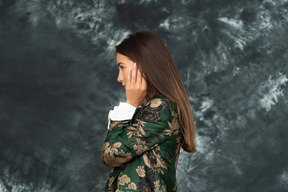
{"x": 122, "y": 112}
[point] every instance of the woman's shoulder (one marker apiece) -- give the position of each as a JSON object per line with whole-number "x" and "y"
{"x": 156, "y": 109}
{"x": 159, "y": 101}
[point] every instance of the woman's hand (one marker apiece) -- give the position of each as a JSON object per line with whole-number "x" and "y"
{"x": 136, "y": 87}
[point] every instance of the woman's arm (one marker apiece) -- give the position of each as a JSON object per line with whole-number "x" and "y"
{"x": 122, "y": 112}
{"x": 126, "y": 141}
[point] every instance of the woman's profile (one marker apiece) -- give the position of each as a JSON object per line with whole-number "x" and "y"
{"x": 146, "y": 132}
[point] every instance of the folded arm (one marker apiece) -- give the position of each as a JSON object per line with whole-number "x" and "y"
{"x": 126, "y": 140}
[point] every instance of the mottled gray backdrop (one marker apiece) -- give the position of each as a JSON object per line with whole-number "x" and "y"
{"x": 58, "y": 82}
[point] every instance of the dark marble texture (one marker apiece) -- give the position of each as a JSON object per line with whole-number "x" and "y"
{"x": 58, "y": 81}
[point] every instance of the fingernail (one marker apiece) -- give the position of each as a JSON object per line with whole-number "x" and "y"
{"x": 134, "y": 64}
{"x": 129, "y": 70}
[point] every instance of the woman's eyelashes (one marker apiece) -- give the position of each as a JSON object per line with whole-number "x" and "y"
{"x": 122, "y": 67}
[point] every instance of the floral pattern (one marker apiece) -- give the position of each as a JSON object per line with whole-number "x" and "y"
{"x": 143, "y": 152}
{"x": 140, "y": 171}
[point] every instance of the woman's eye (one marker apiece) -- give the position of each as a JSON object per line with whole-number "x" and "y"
{"x": 122, "y": 67}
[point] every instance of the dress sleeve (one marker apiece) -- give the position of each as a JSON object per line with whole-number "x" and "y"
{"x": 126, "y": 140}
{"x": 122, "y": 112}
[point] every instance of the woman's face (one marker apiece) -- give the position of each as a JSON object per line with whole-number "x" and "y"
{"x": 124, "y": 63}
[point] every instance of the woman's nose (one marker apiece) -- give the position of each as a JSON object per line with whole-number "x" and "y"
{"x": 119, "y": 78}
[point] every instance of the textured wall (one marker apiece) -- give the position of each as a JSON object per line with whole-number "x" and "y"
{"x": 58, "y": 81}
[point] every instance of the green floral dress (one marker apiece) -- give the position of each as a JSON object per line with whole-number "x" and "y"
{"x": 143, "y": 152}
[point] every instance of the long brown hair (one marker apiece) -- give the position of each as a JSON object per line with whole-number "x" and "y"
{"x": 155, "y": 62}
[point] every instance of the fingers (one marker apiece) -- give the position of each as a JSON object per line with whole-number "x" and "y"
{"x": 128, "y": 78}
{"x": 143, "y": 83}
{"x": 139, "y": 77}
{"x": 136, "y": 88}
{"x": 135, "y": 79}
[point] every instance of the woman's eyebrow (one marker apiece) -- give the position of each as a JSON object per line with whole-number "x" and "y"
{"x": 120, "y": 63}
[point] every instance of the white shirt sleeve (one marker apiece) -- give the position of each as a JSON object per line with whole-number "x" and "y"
{"x": 122, "y": 112}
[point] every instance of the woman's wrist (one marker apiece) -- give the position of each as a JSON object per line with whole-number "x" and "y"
{"x": 133, "y": 104}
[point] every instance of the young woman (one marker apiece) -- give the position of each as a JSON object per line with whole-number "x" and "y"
{"x": 146, "y": 132}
